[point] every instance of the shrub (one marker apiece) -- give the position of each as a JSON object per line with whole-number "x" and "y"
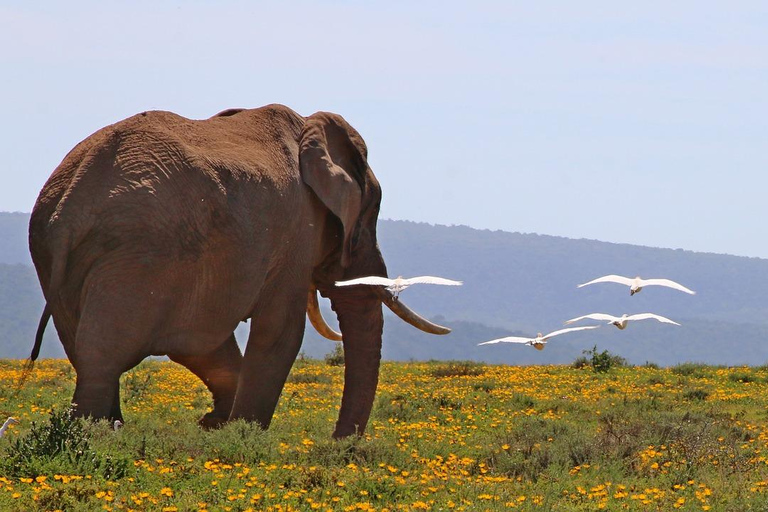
{"x": 580, "y": 362}
{"x": 603, "y": 361}
{"x": 336, "y": 356}
{"x": 61, "y": 445}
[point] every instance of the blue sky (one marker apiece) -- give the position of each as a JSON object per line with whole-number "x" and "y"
{"x": 644, "y": 123}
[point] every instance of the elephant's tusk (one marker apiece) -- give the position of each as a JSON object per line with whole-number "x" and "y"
{"x": 407, "y": 315}
{"x": 316, "y": 318}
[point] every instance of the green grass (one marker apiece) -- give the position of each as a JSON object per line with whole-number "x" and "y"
{"x": 442, "y": 436}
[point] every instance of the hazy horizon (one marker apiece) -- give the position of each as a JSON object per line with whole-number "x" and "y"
{"x": 536, "y": 234}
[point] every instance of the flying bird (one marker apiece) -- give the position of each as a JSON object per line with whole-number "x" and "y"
{"x": 10, "y": 421}
{"x": 621, "y": 322}
{"x": 397, "y": 285}
{"x": 637, "y": 284}
{"x": 539, "y": 341}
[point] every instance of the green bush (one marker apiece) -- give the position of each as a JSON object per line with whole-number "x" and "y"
{"x": 62, "y": 442}
{"x": 580, "y": 362}
{"x": 336, "y": 356}
{"x": 602, "y": 362}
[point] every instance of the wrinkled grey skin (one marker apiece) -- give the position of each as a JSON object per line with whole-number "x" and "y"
{"x": 158, "y": 234}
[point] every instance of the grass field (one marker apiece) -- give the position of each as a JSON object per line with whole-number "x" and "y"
{"x": 443, "y": 436}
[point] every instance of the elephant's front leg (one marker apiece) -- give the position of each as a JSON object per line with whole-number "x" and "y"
{"x": 219, "y": 371}
{"x": 277, "y": 330}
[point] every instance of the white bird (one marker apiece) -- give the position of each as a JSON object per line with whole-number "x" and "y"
{"x": 637, "y": 284}
{"x": 10, "y": 421}
{"x": 117, "y": 425}
{"x": 539, "y": 341}
{"x": 621, "y": 322}
{"x": 397, "y": 285}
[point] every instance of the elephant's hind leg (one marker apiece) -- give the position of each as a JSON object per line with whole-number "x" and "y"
{"x": 108, "y": 342}
{"x": 97, "y": 391}
{"x": 219, "y": 371}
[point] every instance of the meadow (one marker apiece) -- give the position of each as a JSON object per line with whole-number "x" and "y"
{"x": 442, "y": 436}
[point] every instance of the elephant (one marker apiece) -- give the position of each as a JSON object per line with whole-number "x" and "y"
{"x": 157, "y": 235}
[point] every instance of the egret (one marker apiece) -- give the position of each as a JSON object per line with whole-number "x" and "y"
{"x": 10, "y": 421}
{"x": 539, "y": 341}
{"x": 637, "y": 284}
{"x": 397, "y": 285}
{"x": 621, "y": 322}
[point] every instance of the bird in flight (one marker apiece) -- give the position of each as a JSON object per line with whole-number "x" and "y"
{"x": 539, "y": 341}
{"x": 621, "y": 322}
{"x": 398, "y": 285}
{"x": 10, "y": 421}
{"x": 637, "y": 284}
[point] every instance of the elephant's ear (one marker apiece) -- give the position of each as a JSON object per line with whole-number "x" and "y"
{"x": 334, "y": 166}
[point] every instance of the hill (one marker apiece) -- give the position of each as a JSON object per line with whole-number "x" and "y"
{"x": 14, "y": 247}
{"x": 514, "y": 283}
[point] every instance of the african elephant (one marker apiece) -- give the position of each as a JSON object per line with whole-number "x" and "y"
{"x": 158, "y": 234}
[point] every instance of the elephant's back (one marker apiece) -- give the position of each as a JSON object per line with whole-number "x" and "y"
{"x": 162, "y": 183}
{"x": 262, "y": 141}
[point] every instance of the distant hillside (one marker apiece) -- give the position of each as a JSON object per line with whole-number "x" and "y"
{"x": 527, "y": 281}
{"x": 514, "y": 283}
{"x": 14, "y": 247}
{"x": 21, "y": 303}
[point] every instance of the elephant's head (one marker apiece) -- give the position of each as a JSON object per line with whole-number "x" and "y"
{"x": 333, "y": 160}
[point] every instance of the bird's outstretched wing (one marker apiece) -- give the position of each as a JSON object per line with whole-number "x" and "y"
{"x": 374, "y": 280}
{"x": 508, "y": 339}
{"x": 431, "y": 280}
{"x": 570, "y": 329}
{"x": 647, "y": 316}
{"x": 593, "y": 316}
{"x": 612, "y": 278}
{"x": 668, "y": 283}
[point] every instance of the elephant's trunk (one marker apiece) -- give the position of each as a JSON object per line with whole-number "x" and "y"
{"x": 361, "y": 322}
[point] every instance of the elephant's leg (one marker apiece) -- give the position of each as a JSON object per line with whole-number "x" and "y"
{"x": 115, "y": 413}
{"x": 219, "y": 371}
{"x": 97, "y": 393}
{"x": 97, "y": 389}
{"x": 107, "y": 343}
{"x": 274, "y": 342}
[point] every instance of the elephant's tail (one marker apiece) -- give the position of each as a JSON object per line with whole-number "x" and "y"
{"x": 30, "y": 364}
{"x": 40, "y": 330}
